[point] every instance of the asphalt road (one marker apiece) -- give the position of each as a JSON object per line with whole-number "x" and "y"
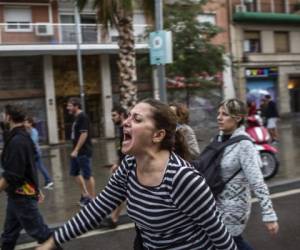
{"x": 286, "y": 203}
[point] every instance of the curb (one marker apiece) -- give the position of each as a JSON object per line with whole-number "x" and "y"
{"x": 280, "y": 186}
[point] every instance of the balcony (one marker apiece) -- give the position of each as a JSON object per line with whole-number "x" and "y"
{"x": 48, "y": 38}
{"x": 267, "y": 14}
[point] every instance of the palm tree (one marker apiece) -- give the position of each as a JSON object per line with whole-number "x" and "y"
{"x": 119, "y": 14}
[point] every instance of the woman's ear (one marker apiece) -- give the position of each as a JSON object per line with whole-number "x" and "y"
{"x": 158, "y": 136}
{"x": 238, "y": 119}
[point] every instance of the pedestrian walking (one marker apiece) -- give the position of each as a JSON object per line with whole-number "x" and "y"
{"x": 118, "y": 116}
{"x": 80, "y": 167}
{"x": 20, "y": 182}
{"x": 272, "y": 116}
{"x": 234, "y": 202}
{"x": 34, "y": 134}
{"x": 169, "y": 201}
{"x": 188, "y": 133}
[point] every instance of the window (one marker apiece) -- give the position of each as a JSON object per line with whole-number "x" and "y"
{"x": 252, "y": 41}
{"x": 207, "y": 18}
{"x": 281, "y": 40}
{"x": 17, "y": 19}
{"x": 68, "y": 29}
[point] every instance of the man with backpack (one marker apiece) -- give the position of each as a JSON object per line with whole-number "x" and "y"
{"x": 231, "y": 165}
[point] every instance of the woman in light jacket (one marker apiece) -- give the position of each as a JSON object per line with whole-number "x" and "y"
{"x": 234, "y": 202}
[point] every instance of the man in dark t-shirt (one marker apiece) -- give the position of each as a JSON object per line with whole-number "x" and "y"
{"x": 81, "y": 152}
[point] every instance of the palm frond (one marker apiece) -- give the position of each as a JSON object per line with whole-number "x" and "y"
{"x": 81, "y": 3}
{"x": 148, "y": 7}
{"x": 127, "y": 4}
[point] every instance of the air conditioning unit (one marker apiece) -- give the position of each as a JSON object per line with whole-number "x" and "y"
{"x": 43, "y": 29}
{"x": 240, "y": 8}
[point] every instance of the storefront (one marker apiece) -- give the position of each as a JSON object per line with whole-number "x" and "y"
{"x": 66, "y": 86}
{"x": 22, "y": 83}
{"x": 260, "y": 82}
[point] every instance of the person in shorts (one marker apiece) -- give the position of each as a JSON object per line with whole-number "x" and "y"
{"x": 81, "y": 152}
{"x": 272, "y": 116}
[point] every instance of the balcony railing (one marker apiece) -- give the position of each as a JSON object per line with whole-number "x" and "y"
{"x": 267, "y": 8}
{"x": 46, "y": 33}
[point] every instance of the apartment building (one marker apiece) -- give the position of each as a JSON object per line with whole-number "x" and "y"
{"x": 265, "y": 39}
{"x": 38, "y": 64}
{"x": 216, "y": 12}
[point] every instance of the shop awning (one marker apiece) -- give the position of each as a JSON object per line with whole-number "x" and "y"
{"x": 266, "y": 18}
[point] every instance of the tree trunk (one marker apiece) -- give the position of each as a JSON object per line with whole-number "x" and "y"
{"x": 126, "y": 62}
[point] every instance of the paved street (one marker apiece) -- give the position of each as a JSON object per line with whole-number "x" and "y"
{"x": 61, "y": 202}
{"x": 287, "y": 206}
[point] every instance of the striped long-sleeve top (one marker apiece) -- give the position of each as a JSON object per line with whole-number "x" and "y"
{"x": 180, "y": 213}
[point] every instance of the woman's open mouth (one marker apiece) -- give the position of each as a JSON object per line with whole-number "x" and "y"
{"x": 126, "y": 136}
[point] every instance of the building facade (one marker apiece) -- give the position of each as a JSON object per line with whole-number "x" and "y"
{"x": 218, "y": 12}
{"x": 265, "y": 40}
{"x": 39, "y": 66}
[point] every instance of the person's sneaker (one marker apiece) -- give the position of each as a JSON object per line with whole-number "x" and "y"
{"x": 49, "y": 185}
{"x": 84, "y": 200}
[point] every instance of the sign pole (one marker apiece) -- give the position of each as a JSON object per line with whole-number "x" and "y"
{"x": 160, "y": 67}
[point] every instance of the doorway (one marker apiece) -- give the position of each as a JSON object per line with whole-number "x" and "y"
{"x": 294, "y": 90}
{"x": 65, "y": 120}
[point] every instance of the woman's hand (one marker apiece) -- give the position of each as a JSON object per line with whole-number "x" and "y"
{"x": 47, "y": 245}
{"x": 114, "y": 168}
{"x": 272, "y": 227}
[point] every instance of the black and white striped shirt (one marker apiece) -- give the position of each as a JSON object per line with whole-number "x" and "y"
{"x": 180, "y": 213}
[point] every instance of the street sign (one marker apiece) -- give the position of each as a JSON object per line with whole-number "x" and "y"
{"x": 161, "y": 47}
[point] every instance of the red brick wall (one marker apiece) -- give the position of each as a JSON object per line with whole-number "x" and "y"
{"x": 40, "y": 13}
{"x": 1, "y": 14}
{"x": 220, "y": 9}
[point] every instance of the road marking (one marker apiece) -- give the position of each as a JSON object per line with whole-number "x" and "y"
{"x": 89, "y": 234}
{"x": 131, "y": 225}
{"x": 280, "y": 194}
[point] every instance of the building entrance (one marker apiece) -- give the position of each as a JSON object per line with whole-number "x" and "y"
{"x": 294, "y": 90}
{"x": 65, "y": 120}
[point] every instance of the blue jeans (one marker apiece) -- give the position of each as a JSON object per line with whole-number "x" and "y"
{"x": 241, "y": 243}
{"x": 41, "y": 167}
{"x": 23, "y": 213}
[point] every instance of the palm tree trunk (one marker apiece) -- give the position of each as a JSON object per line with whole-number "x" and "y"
{"x": 127, "y": 62}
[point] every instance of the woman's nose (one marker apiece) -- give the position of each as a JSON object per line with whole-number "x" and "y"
{"x": 125, "y": 122}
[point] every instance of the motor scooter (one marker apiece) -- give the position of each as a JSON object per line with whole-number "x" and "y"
{"x": 261, "y": 138}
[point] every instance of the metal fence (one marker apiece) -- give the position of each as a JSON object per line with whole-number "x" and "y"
{"x": 49, "y": 33}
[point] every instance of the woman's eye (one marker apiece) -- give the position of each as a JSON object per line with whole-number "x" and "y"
{"x": 137, "y": 118}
